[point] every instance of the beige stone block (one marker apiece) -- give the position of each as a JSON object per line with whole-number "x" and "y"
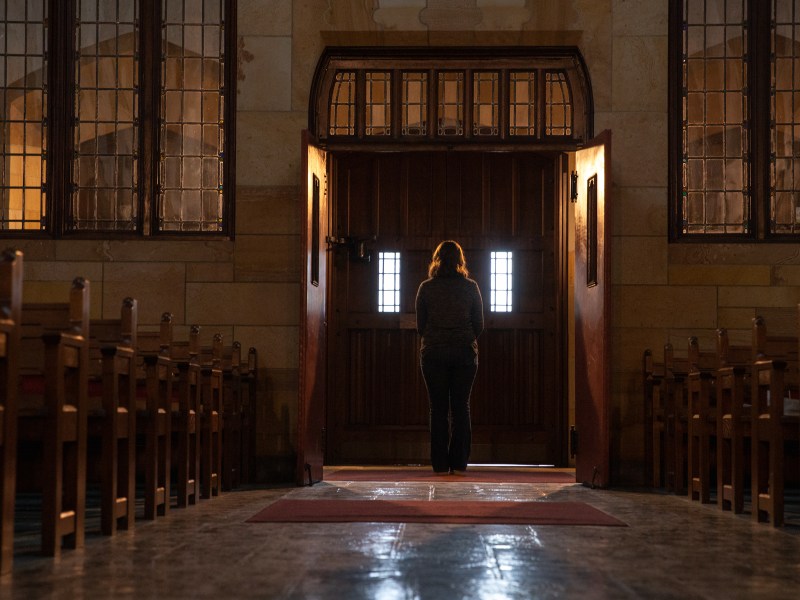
{"x": 780, "y": 320}
{"x": 277, "y": 347}
{"x": 629, "y": 345}
{"x": 310, "y": 18}
{"x": 268, "y": 258}
{"x": 706, "y": 339}
{"x": 639, "y": 149}
{"x": 264, "y": 17}
{"x": 766, "y": 297}
{"x": 146, "y": 250}
{"x": 734, "y": 254}
{"x": 735, "y": 318}
{"x": 640, "y": 211}
{"x": 268, "y": 148}
{"x": 62, "y": 271}
{"x": 243, "y": 303}
{"x": 209, "y": 271}
{"x": 265, "y": 74}
{"x": 639, "y": 81}
{"x": 640, "y": 17}
{"x": 639, "y": 260}
{"x": 405, "y": 17}
{"x": 719, "y": 275}
{"x": 81, "y": 250}
{"x": 786, "y": 275}
{"x": 263, "y": 210}
{"x": 157, "y": 287}
{"x": 33, "y": 250}
{"x": 663, "y": 306}
{"x": 503, "y": 15}
{"x": 58, "y": 291}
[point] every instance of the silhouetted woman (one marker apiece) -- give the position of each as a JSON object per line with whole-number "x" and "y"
{"x": 449, "y": 319}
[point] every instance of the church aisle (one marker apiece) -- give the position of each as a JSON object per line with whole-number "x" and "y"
{"x": 671, "y": 549}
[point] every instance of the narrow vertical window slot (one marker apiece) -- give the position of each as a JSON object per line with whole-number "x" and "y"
{"x": 389, "y": 282}
{"x": 502, "y": 272}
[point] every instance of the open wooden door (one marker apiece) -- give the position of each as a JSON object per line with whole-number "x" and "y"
{"x": 313, "y": 325}
{"x": 593, "y": 312}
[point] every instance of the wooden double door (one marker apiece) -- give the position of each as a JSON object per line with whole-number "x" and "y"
{"x": 406, "y": 203}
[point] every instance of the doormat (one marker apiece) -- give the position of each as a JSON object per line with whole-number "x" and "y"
{"x": 479, "y": 475}
{"x": 434, "y": 511}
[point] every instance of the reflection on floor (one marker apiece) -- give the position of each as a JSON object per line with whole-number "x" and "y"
{"x": 672, "y": 548}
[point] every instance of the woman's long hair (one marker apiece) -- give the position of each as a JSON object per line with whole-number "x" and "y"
{"x": 448, "y": 260}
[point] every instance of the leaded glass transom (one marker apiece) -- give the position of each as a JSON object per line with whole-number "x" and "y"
{"x": 379, "y": 103}
{"x": 343, "y": 104}
{"x": 451, "y": 103}
{"x": 485, "y": 103}
{"x": 415, "y": 104}
{"x": 521, "y": 103}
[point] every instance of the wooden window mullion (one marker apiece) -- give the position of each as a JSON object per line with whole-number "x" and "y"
{"x": 759, "y": 42}
{"x": 149, "y": 98}
{"x": 61, "y": 50}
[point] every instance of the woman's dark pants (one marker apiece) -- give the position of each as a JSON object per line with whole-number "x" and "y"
{"x": 449, "y": 373}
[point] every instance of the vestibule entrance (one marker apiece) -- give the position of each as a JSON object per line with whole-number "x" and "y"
{"x": 401, "y": 155}
{"x": 402, "y": 204}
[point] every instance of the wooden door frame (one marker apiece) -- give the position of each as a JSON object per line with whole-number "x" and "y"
{"x": 561, "y": 267}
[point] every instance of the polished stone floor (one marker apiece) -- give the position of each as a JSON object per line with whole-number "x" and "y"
{"x": 672, "y": 548}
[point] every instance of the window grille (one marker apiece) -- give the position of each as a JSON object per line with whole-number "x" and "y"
{"x": 784, "y": 210}
{"x": 715, "y": 186}
{"x": 343, "y": 104}
{"x": 522, "y": 103}
{"x": 558, "y": 104}
{"x": 23, "y": 128}
{"x": 415, "y": 104}
{"x": 105, "y": 136}
{"x": 389, "y": 282}
{"x": 501, "y": 286}
{"x": 451, "y": 103}
{"x": 192, "y": 108}
{"x": 379, "y": 103}
{"x": 485, "y": 103}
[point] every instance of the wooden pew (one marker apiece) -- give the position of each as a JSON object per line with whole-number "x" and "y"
{"x": 773, "y": 432}
{"x": 155, "y": 389}
{"x": 701, "y": 421}
{"x": 54, "y": 369}
{"x": 733, "y": 423}
{"x": 674, "y": 392}
{"x": 210, "y": 420}
{"x": 186, "y": 418}
{"x": 233, "y": 374}
{"x": 654, "y": 414}
{"x": 112, "y": 414}
{"x": 248, "y": 415}
{"x": 10, "y": 325}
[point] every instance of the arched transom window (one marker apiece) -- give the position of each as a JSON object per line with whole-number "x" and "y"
{"x": 452, "y": 95}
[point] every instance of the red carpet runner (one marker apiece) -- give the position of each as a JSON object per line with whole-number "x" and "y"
{"x": 434, "y": 511}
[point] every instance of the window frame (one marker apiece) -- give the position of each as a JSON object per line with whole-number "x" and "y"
{"x": 59, "y": 153}
{"x": 759, "y": 24}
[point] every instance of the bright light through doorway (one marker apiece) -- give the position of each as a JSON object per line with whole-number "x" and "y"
{"x": 501, "y": 283}
{"x": 388, "y": 282}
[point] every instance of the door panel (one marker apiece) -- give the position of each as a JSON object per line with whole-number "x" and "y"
{"x": 593, "y": 312}
{"x": 409, "y": 202}
{"x": 313, "y": 329}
